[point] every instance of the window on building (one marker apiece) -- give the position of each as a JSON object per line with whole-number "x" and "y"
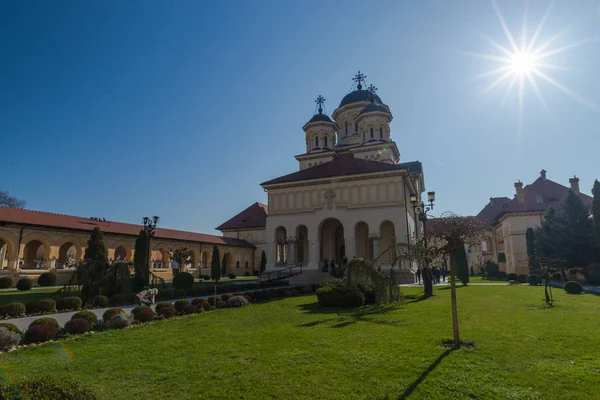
{"x": 355, "y": 128}
{"x": 325, "y": 141}
{"x": 381, "y": 133}
{"x": 237, "y": 264}
{"x": 346, "y": 128}
{"x": 316, "y": 142}
{"x": 246, "y": 264}
{"x": 363, "y": 136}
{"x": 371, "y": 131}
{"x": 539, "y": 198}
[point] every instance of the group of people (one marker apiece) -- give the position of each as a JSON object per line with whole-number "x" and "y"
{"x": 438, "y": 275}
{"x": 335, "y": 271}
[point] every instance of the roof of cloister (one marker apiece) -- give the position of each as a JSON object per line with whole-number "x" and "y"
{"x": 254, "y": 216}
{"x": 344, "y": 165}
{"x": 70, "y": 222}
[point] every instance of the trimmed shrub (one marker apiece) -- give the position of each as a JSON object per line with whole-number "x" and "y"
{"x": 340, "y": 296}
{"x": 113, "y": 313}
{"x": 5, "y": 282}
{"x": 10, "y": 327}
{"x": 87, "y": 315}
{"x": 557, "y": 276}
{"x": 39, "y": 334}
{"x": 31, "y": 307}
{"x": 179, "y": 293}
{"x": 231, "y": 276}
{"x": 491, "y": 269}
{"x": 179, "y": 305}
{"x": 573, "y": 287}
{"x": 45, "y": 388}
{"x": 522, "y": 278}
{"x": 237, "y": 301}
{"x": 206, "y": 277}
{"x": 100, "y": 301}
{"x": 189, "y": 308}
{"x": 226, "y": 297}
{"x": 534, "y": 280}
{"x": 167, "y": 312}
{"x": 220, "y": 304}
{"x": 78, "y": 326}
{"x": 199, "y": 300}
{"x": 8, "y": 338}
{"x": 13, "y": 309}
{"x": 118, "y": 300}
{"x": 206, "y": 306}
{"x": 247, "y": 273}
{"x": 119, "y": 322}
{"x": 45, "y": 321}
{"x": 140, "y": 308}
{"x": 164, "y": 304}
{"x": 501, "y": 275}
{"x": 42, "y": 306}
{"x": 511, "y": 277}
{"x": 24, "y": 284}
{"x": 329, "y": 282}
{"x": 213, "y": 299}
{"x": 183, "y": 280}
{"x": 47, "y": 279}
{"x": 71, "y": 303}
{"x": 144, "y": 316}
{"x": 166, "y": 294}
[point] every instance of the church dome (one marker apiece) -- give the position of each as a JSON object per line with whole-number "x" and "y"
{"x": 358, "y": 96}
{"x": 320, "y": 118}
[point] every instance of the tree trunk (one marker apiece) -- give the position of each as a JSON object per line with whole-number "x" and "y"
{"x": 453, "y": 299}
{"x": 427, "y": 285}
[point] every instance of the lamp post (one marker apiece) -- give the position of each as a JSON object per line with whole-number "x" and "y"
{"x": 421, "y": 211}
{"x": 150, "y": 226}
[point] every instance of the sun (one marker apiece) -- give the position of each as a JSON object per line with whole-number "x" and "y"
{"x": 522, "y": 63}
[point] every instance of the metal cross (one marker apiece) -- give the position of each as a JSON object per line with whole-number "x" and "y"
{"x": 372, "y": 89}
{"x": 359, "y": 78}
{"x": 320, "y": 101}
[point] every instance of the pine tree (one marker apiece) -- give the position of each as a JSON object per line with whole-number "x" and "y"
{"x": 224, "y": 266}
{"x": 263, "y": 262}
{"x": 96, "y": 248}
{"x": 534, "y": 266}
{"x": 462, "y": 266}
{"x": 215, "y": 267}
{"x": 141, "y": 261}
{"x": 596, "y": 210}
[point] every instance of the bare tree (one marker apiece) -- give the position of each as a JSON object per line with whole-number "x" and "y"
{"x": 9, "y": 201}
{"x": 446, "y": 235}
{"x": 182, "y": 256}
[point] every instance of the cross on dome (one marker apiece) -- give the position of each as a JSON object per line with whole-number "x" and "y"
{"x": 320, "y": 101}
{"x": 372, "y": 89}
{"x": 359, "y": 78}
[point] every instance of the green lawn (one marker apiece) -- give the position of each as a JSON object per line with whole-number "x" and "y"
{"x": 290, "y": 349}
{"x": 10, "y": 296}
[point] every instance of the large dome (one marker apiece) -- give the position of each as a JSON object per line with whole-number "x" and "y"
{"x": 374, "y": 107}
{"x": 358, "y": 96}
{"x": 319, "y": 118}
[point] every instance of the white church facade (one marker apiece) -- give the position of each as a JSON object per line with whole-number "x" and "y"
{"x": 349, "y": 198}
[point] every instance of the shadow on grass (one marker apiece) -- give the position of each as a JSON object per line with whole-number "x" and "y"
{"x": 414, "y": 298}
{"x": 457, "y": 286}
{"x": 350, "y": 316}
{"x": 423, "y": 375}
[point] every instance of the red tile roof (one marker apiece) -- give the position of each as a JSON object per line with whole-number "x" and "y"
{"x": 345, "y": 165}
{"x": 552, "y": 193}
{"x": 254, "y": 216}
{"x": 69, "y": 222}
{"x": 492, "y": 209}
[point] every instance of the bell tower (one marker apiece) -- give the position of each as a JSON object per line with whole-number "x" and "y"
{"x": 320, "y": 136}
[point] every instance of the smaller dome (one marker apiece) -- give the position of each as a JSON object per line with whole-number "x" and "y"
{"x": 320, "y": 118}
{"x": 374, "y": 107}
{"x": 358, "y": 96}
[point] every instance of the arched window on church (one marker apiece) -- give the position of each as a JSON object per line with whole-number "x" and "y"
{"x": 371, "y": 133}
{"x": 346, "y": 128}
{"x": 355, "y": 128}
{"x": 363, "y": 136}
{"x": 381, "y": 132}
{"x": 317, "y": 141}
{"x": 325, "y": 141}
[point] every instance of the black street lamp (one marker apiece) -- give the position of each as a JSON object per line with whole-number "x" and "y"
{"x": 421, "y": 211}
{"x": 150, "y": 226}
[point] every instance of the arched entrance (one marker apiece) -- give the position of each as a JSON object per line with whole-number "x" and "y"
{"x": 4, "y": 254}
{"x": 331, "y": 241}
{"x": 388, "y": 238}
{"x": 120, "y": 254}
{"x": 160, "y": 259}
{"x": 302, "y": 245}
{"x": 227, "y": 262}
{"x": 35, "y": 254}
{"x": 280, "y": 246}
{"x": 68, "y": 255}
{"x": 204, "y": 260}
{"x": 361, "y": 237}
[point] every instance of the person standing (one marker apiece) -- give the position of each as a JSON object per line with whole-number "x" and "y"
{"x": 444, "y": 273}
{"x": 418, "y": 275}
{"x": 438, "y": 274}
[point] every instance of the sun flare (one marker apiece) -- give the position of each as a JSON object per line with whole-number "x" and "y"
{"x": 522, "y": 63}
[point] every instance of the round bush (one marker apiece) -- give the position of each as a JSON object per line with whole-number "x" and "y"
{"x": 31, "y": 307}
{"x": 167, "y": 312}
{"x": 231, "y": 276}
{"x": 206, "y": 277}
{"x": 13, "y": 309}
{"x": 501, "y": 274}
{"x": 39, "y": 334}
{"x": 199, "y": 300}
{"x": 226, "y": 297}
{"x": 10, "y": 327}
{"x": 340, "y": 296}
{"x": 112, "y": 313}
{"x": 144, "y": 316}
{"x": 221, "y": 304}
{"x": 573, "y": 287}
{"x": 164, "y": 304}
{"x": 139, "y": 309}
{"x": 522, "y": 278}
{"x": 237, "y": 301}
{"x": 5, "y": 282}
{"x": 511, "y": 277}
{"x": 120, "y": 321}
{"x": 189, "y": 308}
{"x": 8, "y": 339}
{"x": 206, "y": 306}
{"x": 45, "y": 321}
{"x": 179, "y": 293}
{"x": 87, "y": 315}
{"x": 71, "y": 303}
{"x": 213, "y": 299}
{"x": 534, "y": 280}
{"x": 179, "y": 304}
{"x": 47, "y": 279}
{"x": 118, "y": 300}
{"x": 183, "y": 280}
{"x": 24, "y": 284}
{"x": 44, "y": 388}
{"x": 78, "y": 326}
{"x": 100, "y": 301}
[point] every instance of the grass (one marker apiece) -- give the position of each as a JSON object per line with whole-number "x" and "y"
{"x": 11, "y": 296}
{"x": 291, "y": 349}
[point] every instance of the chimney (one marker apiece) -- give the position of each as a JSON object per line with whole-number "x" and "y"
{"x": 574, "y": 181}
{"x": 520, "y": 193}
{"x": 492, "y": 201}
{"x": 543, "y": 174}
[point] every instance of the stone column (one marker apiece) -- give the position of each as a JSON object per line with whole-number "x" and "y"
{"x": 350, "y": 248}
{"x": 313, "y": 254}
{"x": 291, "y": 250}
{"x": 375, "y": 237}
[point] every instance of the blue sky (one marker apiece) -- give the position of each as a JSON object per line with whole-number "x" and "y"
{"x": 121, "y": 109}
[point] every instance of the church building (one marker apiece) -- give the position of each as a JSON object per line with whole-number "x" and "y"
{"x": 349, "y": 198}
